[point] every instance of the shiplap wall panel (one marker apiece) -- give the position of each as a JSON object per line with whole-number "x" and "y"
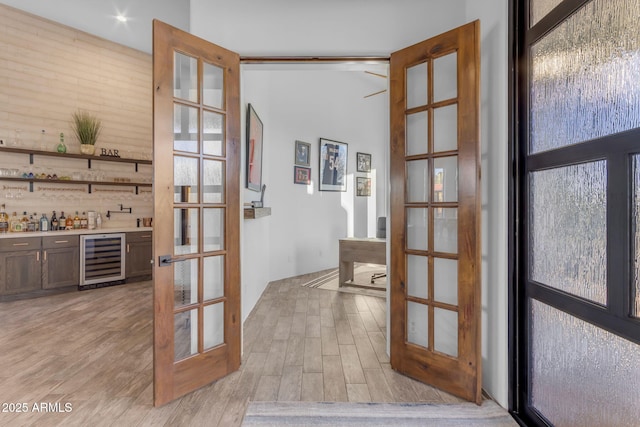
{"x": 47, "y": 72}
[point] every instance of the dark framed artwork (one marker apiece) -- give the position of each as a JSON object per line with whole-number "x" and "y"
{"x": 363, "y": 162}
{"x": 363, "y": 186}
{"x": 333, "y": 165}
{"x": 301, "y": 175}
{"x": 254, "y": 150}
{"x": 303, "y": 153}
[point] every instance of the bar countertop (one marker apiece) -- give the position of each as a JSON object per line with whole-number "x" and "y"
{"x": 103, "y": 230}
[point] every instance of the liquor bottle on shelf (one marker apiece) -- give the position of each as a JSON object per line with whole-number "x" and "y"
{"x": 69, "y": 223}
{"x": 62, "y": 222}
{"x": 76, "y": 221}
{"x": 15, "y": 224}
{"x": 25, "y": 222}
{"x": 31, "y": 225}
{"x": 36, "y": 222}
{"x": 61, "y": 147}
{"x": 84, "y": 223}
{"x": 99, "y": 221}
{"x": 54, "y": 222}
{"x": 44, "y": 223}
{"x": 4, "y": 220}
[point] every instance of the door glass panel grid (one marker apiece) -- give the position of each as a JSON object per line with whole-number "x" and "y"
{"x": 214, "y": 177}
{"x": 186, "y": 128}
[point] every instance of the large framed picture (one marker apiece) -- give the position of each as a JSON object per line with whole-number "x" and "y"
{"x": 363, "y": 160}
{"x": 303, "y": 153}
{"x": 254, "y": 150}
{"x": 333, "y": 165}
{"x": 301, "y": 175}
{"x": 363, "y": 186}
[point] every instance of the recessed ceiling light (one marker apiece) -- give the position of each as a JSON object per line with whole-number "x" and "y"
{"x": 121, "y": 18}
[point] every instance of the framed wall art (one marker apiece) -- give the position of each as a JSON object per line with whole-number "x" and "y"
{"x": 301, "y": 175}
{"x": 363, "y": 186}
{"x": 363, "y": 160}
{"x": 303, "y": 153}
{"x": 333, "y": 165}
{"x": 254, "y": 150}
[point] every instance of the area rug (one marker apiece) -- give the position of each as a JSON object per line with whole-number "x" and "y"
{"x": 376, "y": 414}
{"x": 361, "y": 277}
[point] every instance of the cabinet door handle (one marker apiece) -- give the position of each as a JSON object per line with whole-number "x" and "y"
{"x": 38, "y": 256}
{"x": 62, "y": 241}
{"x": 127, "y": 248}
{"x": 45, "y": 255}
{"x": 145, "y": 235}
{"x": 21, "y": 244}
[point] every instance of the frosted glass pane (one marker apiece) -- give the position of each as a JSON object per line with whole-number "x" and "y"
{"x": 417, "y": 230}
{"x": 568, "y": 229}
{"x": 445, "y": 230}
{"x": 185, "y": 334}
{"x": 417, "y": 323}
{"x": 212, "y": 133}
{"x": 445, "y": 77}
{"x": 213, "y": 85}
{"x": 417, "y": 181}
{"x": 185, "y": 231}
{"x": 213, "y": 229}
{"x": 185, "y": 128}
{"x": 213, "y": 185}
{"x": 586, "y": 72}
{"x": 445, "y": 280}
{"x": 185, "y": 282}
{"x": 582, "y": 375}
{"x": 417, "y": 276}
{"x": 445, "y": 179}
{"x": 185, "y": 77}
{"x": 185, "y": 179}
{"x": 445, "y": 331}
{"x": 417, "y": 133}
{"x": 417, "y": 85}
{"x": 540, "y": 8}
{"x": 445, "y": 128}
{"x": 636, "y": 227}
{"x": 213, "y": 277}
{"x": 213, "y": 325}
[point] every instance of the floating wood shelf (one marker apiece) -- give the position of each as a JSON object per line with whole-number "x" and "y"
{"x": 253, "y": 213}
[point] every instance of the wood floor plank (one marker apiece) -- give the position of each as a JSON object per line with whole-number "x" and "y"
{"x": 378, "y": 387}
{"x": 290, "y": 384}
{"x": 312, "y": 355}
{"x": 295, "y": 351}
{"x": 351, "y": 365}
{"x": 335, "y": 389}
{"x": 368, "y": 358}
{"x": 358, "y": 393}
{"x": 355, "y": 322}
{"x": 379, "y": 344}
{"x": 326, "y": 317}
{"x": 343, "y": 331}
{"x": 267, "y": 388}
{"x": 312, "y": 387}
{"x": 329, "y": 342}
{"x": 313, "y": 326}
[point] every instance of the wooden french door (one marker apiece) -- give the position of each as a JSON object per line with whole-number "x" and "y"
{"x": 435, "y": 212}
{"x": 196, "y": 137}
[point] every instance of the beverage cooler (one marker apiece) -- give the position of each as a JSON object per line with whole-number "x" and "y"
{"x": 102, "y": 260}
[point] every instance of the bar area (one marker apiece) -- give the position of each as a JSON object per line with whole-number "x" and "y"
{"x": 58, "y": 189}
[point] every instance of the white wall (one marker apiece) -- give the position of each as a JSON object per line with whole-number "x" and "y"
{"x": 493, "y": 15}
{"x": 361, "y": 28}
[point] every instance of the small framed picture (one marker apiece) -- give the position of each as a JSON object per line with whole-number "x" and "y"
{"x": 363, "y": 186}
{"x": 301, "y": 175}
{"x": 303, "y": 153}
{"x": 333, "y": 165}
{"x": 364, "y": 162}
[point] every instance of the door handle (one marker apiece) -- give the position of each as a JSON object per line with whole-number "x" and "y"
{"x": 166, "y": 260}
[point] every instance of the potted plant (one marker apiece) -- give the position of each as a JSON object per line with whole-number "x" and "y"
{"x": 86, "y": 128}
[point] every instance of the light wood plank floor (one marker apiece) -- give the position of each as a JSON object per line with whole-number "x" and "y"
{"x": 93, "y": 350}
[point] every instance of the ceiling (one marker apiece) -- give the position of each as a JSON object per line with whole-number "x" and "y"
{"x": 99, "y": 17}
